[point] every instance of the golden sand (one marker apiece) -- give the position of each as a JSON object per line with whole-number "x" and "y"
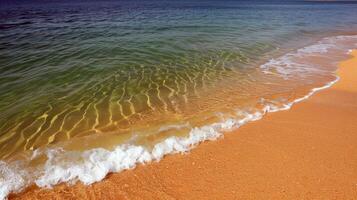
{"x": 308, "y": 152}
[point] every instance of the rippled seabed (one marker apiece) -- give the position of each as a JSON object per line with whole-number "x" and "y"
{"x": 85, "y": 75}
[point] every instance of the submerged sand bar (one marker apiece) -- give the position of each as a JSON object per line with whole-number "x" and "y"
{"x": 307, "y": 152}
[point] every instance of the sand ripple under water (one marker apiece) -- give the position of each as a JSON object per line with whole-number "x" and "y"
{"x": 303, "y": 71}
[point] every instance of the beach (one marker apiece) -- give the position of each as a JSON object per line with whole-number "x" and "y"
{"x": 177, "y": 100}
{"x": 307, "y": 152}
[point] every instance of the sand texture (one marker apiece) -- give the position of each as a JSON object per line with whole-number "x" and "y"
{"x": 308, "y": 152}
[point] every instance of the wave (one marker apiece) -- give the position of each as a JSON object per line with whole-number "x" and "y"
{"x": 93, "y": 165}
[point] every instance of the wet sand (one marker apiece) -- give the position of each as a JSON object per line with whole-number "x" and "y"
{"x": 307, "y": 152}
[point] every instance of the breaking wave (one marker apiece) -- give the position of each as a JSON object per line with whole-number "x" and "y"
{"x": 93, "y": 165}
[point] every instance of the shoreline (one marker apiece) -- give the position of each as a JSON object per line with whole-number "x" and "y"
{"x": 292, "y": 154}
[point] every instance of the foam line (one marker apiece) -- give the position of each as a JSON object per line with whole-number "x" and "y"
{"x": 97, "y": 163}
{"x": 93, "y": 165}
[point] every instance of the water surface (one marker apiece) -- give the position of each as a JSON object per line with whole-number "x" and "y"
{"x": 87, "y": 74}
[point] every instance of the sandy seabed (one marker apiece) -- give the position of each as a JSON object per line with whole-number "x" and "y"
{"x": 307, "y": 152}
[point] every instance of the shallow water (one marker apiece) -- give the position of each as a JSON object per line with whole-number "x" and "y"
{"x": 85, "y": 75}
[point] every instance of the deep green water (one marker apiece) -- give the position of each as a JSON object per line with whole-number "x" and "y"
{"x": 69, "y": 70}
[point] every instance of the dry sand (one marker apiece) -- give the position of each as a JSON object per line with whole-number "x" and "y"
{"x": 308, "y": 152}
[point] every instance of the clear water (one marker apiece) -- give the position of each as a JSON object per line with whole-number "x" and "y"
{"x": 88, "y": 74}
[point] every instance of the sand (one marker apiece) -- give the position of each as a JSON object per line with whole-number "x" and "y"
{"x": 308, "y": 152}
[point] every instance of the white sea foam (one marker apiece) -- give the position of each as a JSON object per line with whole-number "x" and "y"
{"x": 93, "y": 165}
{"x": 11, "y": 180}
{"x": 294, "y": 63}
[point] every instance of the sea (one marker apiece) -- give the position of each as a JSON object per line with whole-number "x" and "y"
{"x": 92, "y": 87}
